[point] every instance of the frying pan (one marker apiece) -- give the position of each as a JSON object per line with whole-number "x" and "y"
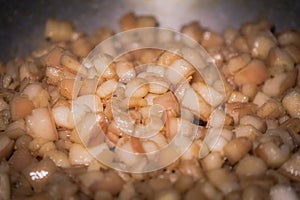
{"x": 22, "y": 22}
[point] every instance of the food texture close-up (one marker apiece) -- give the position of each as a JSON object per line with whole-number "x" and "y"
{"x": 163, "y": 100}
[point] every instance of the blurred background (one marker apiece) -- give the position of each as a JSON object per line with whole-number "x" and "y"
{"x": 22, "y": 22}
